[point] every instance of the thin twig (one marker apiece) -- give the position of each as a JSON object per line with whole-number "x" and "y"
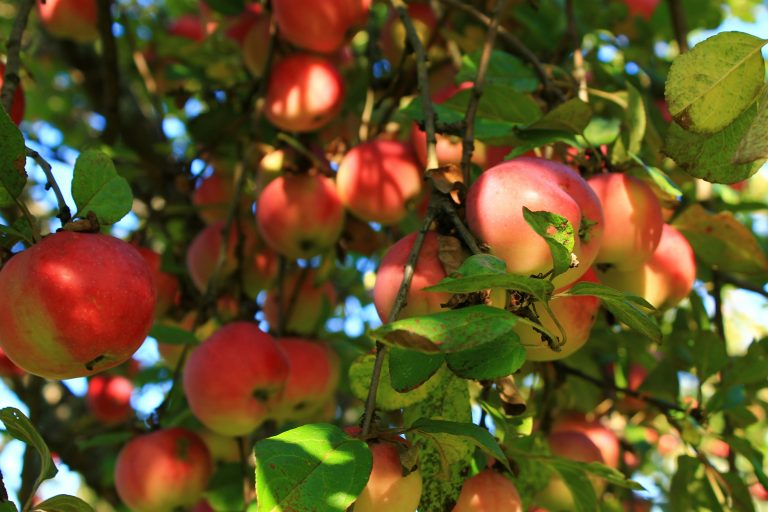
{"x": 447, "y": 207}
{"x": 110, "y": 71}
{"x": 11, "y": 77}
{"x": 468, "y": 141}
{"x": 743, "y": 284}
{"x": 296, "y": 144}
{"x": 64, "y": 215}
{"x": 679, "y": 24}
{"x": 578, "y": 57}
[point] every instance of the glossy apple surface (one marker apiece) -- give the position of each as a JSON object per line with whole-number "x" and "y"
{"x": 69, "y": 19}
{"x": 163, "y": 470}
{"x": 305, "y": 92}
{"x": 603, "y": 438}
{"x": 488, "y": 491}
{"x": 109, "y": 398}
{"x": 75, "y": 304}
{"x": 231, "y": 380}
{"x": 495, "y": 204}
{"x": 316, "y": 26}
{"x": 387, "y": 489}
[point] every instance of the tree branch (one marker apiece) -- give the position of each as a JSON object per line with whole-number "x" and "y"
{"x": 679, "y": 24}
{"x": 11, "y": 77}
{"x": 64, "y": 215}
{"x": 110, "y": 71}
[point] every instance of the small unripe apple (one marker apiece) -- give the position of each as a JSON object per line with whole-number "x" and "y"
{"x": 167, "y": 285}
{"x": 304, "y": 93}
{"x": 387, "y": 488}
{"x": 300, "y": 216}
{"x": 70, "y": 19}
{"x": 109, "y": 398}
{"x": 18, "y": 103}
{"x": 633, "y": 220}
{"x": 312, "y": 305}
{"x": 312, "y": 378}
{"x": 232, "y": 379}
{"x": 429, "y": 271}
{"x": 495, "y": 204}
{"x": 488, "y": 491}
{"x": 162, "y": 470}
{"x": 75, "y": 304}
{"x": 376, "y": 180}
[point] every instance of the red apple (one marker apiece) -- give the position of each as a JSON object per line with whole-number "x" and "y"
{"x": 251, "y": 32}
{"x": 387, "y": 489}
{"x": 495, "y": 204}
{"x": 300, "y": 216}
{"x": 162, "y": 470}
{"x": 167, "y": 285}
{"x": 18, "y": 103}
{"x": 70, "y": 19}
{"x": 603, "y": 438}
{"x": 188, "y": 26}
{"x": 109, "y": 398}
{"x": 313, "y": 304}
{"x": 312, "y": 378}
{"x": 633, "y": 220}
{"x": 758, "y": 491}
{"x": 488, "y": 491}
{"x": 642, "y": 8}
{"x": 213, "y": 196}
{"x": 393, "y": 35}
{"x": 576, "y": 314}
{"x": 75, "y": 304}
{"x": 376, "y": 180}
{"x": 429, "y": 271}
{"x": 232, "y": 379}
{"x": 316, "y": 26}
{"x": 7, "y": 368}
{"x": 304, "y": 93}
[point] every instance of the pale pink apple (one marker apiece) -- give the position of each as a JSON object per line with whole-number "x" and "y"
{"x": 70, "y": 19}
{"x": 109, "y": 398}
{"x": 314, "y": 301}
{"x": 387, "y": 489}
{"x": 488, "y": 491}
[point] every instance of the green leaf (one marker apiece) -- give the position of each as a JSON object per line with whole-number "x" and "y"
{"x": 447, "y": 331}
{"x": 572, "y": 117}
{"x": 313, "y": 467}
{"x": 8, "y": 506}
{"x": 22, "y": 429}
{"x": 749, "y": 452}
{"x": 751, "y": 368}
{"x": 632, "y": 128}
{"x": 482, "y": 264}
{"x": 525, "y": 140}
{"x": 409, "y": 369}
{"x": 227, "y": 7}
{"x": 108, "y": 439}
{"x": 666, "y": 189}
{"x": 13, "y": 157}
{"x": 499, "y": 102}
{"x": 503, "y": 68}
{"x": 225, "y": 489}
{"x": 679, "y": 498}
{"x": 626, "y": 307}
{"x": 558, "y": 232}
{"x": 754, "y": 146}
{"x": 97, "y": 188}
{"x": 472, "y": 433}
{"x": 709, "y": 354}
{"x": 709, "y": 156}
{"x": 173, "y": 335}
{"x": 493, "y": 359}
{"x": 708, "y": 87}
{"x": 584, "y": 496}
{"x": 63, "y": 503}
{"x": 20, "y": 231}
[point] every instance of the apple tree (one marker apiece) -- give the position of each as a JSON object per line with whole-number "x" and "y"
{"x": 446, "y": 255}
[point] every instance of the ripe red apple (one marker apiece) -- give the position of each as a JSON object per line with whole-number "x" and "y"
{"x": 316, "y": 26}
{"x": 188, "y": 26}
{"x": 642, "y": 8}
{"x": 576, "y": 314}
{"x": 393, "y": 35}
{"x": 300, "y": 216}
{"x": 387, "y": 488}
{"x": 304, "y": 93}
{"x": 69, "y": 19}
{"x": 758, "y": 491}
{"x": 167, "y": 285}
{"x": 213, "y": 196}
{"x": 495, "y": 204}
{"x": 556, "y": 496}
{"x": 666, "y": 278}
{"x": 7, "y": 368}
{"x": 251, "y": 32}
{"x": 429, "y": 271}
{"x": 312, "y": 378}
{"x": 488, "y": 491}
{"x": 314, "y": 302}
{"x": 232, "y": 379}
{"x": 603, "y": 438}
{"x": 633, "y": 220}
{"x": 376, "y": 180}
{"x": 109, "y": 398}
{"x": 162, "y": 470}
{"x": 18, "y": 103}
{"x": 75, "y": 304}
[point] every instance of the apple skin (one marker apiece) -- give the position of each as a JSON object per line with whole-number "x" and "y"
{"x": 429, "y": 271}
{"x": 633, "y": 220}
{"x": 188, "y": 26}
{"x": 313, "y": 303}
{"x": 70, "y": 19}
{"x": 641, "y": 8}
{"x": 213, "y": 196}
{"x": 109, "y": 398}
{"x": 376, "y": 180}
{"x": 387, "y": 489}
{"x": 221, "y": 448}
{"x": 556, "y": 496}
{"x": 75, "y": 304}
{"x": 603, "y": 438}
{"x": 315, "y": 26}
{"x": 312, "y": 379}
{"x": 251, "y": 32}
{"x": 167, "y": 285}
{"x": 18, "y": 104}
{"x": 758, "y": 491}
{"x": 488, "y": 491}
{"x": 576, "y": 314}
{"x": 7, "y": 368}
{"x": 300, "y": 216}
{"x": 304, "y": 93}
{"x": 233, "y": 378}
{"x": 666, "y": 278}
{"x": 162, "y": 470}
{"x": 495, "y": 214}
